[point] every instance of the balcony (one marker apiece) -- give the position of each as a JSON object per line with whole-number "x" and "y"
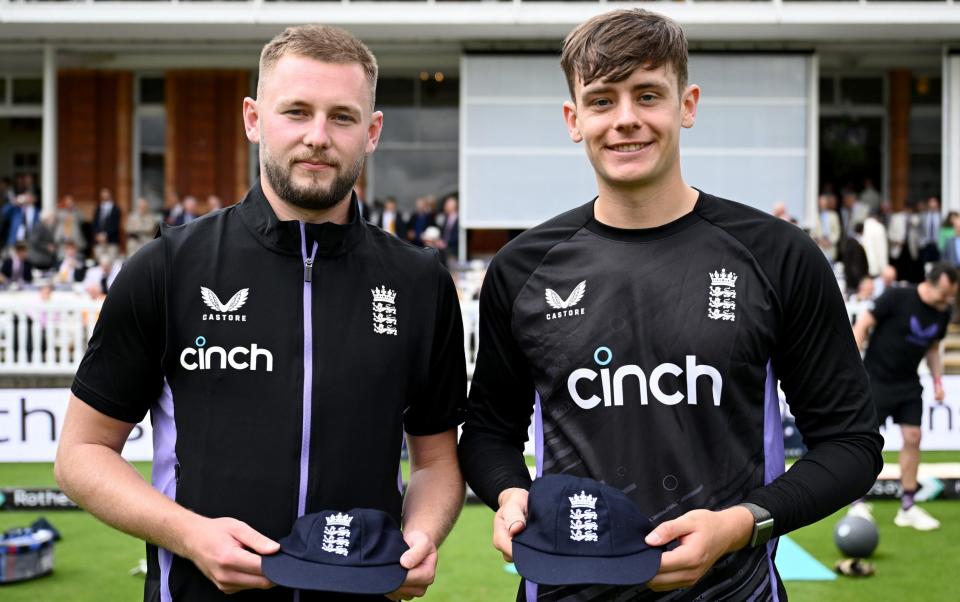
{"x": 486, "y": 24}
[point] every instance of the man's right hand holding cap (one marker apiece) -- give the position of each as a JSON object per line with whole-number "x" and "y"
{"x": 510, "y": 520}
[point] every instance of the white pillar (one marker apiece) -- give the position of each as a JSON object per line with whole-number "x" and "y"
{"x": 950, "y": 144}
{"x": 48, "y": 161}
{"x": 813, "y": 139}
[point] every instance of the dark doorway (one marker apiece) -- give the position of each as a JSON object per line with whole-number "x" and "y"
{"x": 851, "y": 150}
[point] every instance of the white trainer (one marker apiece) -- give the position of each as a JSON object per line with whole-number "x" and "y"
{"x": 861, "y": 509}
{"x": 916, "y": 517}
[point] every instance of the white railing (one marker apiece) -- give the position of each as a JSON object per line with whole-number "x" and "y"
{"x": 471, "y": 333}
{"x": 49, "y": 337}
{"x": 44, "y": 336}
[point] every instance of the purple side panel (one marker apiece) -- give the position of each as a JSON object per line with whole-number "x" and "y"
{"x": 772, "y": 430}
{"x": 538, "y": 434}
{"x": 530, "y": 587}
{"x": 400, "y": 470}
{"x": 164, "y": 475}
{"x": 772, "y": 453}
{"x": 771, "y": 548}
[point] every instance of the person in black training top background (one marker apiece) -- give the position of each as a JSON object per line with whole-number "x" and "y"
{"x": 282, "y": 347}
{"x": 647, "y": 330}
{"x": 905, "y": 326}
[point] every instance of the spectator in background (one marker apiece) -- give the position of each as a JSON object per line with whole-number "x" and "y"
{"x": 9, "y": 214}
{"x": 449, "y": 242}
{"x": 100, "y": 277}
{"x": 16, "y": 269}
{"x": 389, "y": 218}
{"x": 106, "y": 221}
{"x": 172, "y": 208}
{"x": 855, "y": 265}
{"x": 951, "y": 255}
{"x": 874, "y": 241}
{"x": 6, "y": 191}
{"x": 904, "y": 232}
{"x": 423, "y": 218}
{"x": 886, "y": 279}
{"x": 852, "y": 212}
{"x": 862, "y": 299}
{"x": 42, "y": 245}
{"x": 930, "y": 233}
{"x": 142, "y": 226}
{"x": 947, "y": 230}
{"x": 780, "y": 211}
{"x": 188, "y": 213}
{"x": 21, "y": 218}
{"x": 951, "y": 248}
{"x": 27, "y": 183}
{"x": 826, "y": 230}
{"x": 896, "y": 222}
{"x": 70, "y": 224}
{"x": 72, "y": 268}
{"x": 214, "y": 203}
{"x": 869, "y": 197}
{"x": 431, "y": 237}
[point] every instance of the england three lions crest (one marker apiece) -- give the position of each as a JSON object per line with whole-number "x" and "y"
{"x": 336, "y": 535}
{"x": 384, "y": 311}
{"x": 722, "y": 296}
{"x": 583, "y": 517}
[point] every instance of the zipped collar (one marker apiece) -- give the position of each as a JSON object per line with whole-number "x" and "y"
{"x": 284, "y": 236}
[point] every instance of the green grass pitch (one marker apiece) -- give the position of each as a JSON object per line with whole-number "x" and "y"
{"x": 93, "y": 560}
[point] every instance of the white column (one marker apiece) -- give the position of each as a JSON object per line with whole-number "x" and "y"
{"x": 48, "y": 161}
{"x": 813, "y": 139}
{"x": 951, "y": 133}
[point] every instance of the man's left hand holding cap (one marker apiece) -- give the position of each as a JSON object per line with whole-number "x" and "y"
{"x": 510, "y": 520}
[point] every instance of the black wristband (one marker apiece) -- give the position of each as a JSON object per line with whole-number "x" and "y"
{"x": 762, "y": 525}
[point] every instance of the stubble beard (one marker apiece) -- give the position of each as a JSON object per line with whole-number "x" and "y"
{"x": 316, "y": 197}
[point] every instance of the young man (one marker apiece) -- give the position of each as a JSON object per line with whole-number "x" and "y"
{"x": 646, "y": 332}
{"x": 282, "y": 347}
{"x": 907, "y": 324}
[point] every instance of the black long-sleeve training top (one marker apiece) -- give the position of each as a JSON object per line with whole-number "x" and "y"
{"x": 650, "y": 360}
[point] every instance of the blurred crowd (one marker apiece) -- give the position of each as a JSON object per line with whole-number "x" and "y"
{"x": 77, "y": 247}
{"x": 872, "y": 246}
{"x": 430, "y": 224}
{"x": 81, "y": 246}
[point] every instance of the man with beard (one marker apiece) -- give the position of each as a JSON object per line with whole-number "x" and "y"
{"x": 258, "y": 338}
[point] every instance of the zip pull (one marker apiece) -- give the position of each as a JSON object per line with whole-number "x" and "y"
{"x": 308, "y": 269}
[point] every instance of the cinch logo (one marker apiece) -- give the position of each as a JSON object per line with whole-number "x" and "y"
{"x": 238, "y": 358}
{"x": 613, "y": 389}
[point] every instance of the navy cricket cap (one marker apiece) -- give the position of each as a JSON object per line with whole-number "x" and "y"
{"x": 356, "y": 552}
{"x": 580, "y": 531}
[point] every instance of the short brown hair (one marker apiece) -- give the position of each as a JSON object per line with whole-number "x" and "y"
{"x": 612, "y": 45}
{"x": 322, "y": 43}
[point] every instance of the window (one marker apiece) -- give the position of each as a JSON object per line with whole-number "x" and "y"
{"x": 26, "y": 161}
{"x": 926, "y": 90}
{"x": 418, "y": 152}
{"x": 27, "y": 91}
{"x": 151, "y": 91}
{"x": 151, "y": 127}
{"x": 861, "y": 90}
